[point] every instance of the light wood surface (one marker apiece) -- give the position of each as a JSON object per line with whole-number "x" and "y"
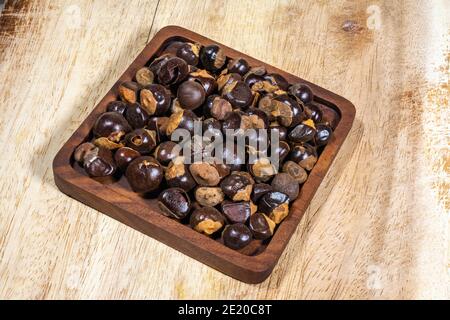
{"x": 378, "y": 226}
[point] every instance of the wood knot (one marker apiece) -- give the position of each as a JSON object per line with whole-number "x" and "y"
{"x": 351, "y": 26}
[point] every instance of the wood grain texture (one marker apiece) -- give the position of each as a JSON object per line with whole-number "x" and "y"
{"x": 378, "y": 226}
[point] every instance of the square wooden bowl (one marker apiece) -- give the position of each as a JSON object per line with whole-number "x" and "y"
{"x": 118, "y": 201}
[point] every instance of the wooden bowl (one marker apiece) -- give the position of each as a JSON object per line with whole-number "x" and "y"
{"x": 115, "y": 198}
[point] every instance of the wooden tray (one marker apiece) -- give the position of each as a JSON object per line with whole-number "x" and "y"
{"x": 119, "y": 202}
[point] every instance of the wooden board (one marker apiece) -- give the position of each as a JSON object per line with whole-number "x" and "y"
{"x": 378, "y": 226}
{"x": 119, "y": 202}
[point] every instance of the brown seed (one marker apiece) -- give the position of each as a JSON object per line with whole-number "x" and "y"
{"x": 144, "y": 76}
{"x": 237, "y": 187}
{"x": 108, "y": 143}
{"x": 236, "y": 212}
{"x": 261, "y": 226}
{"x": 82, "y": 150}
{"x": 205, "y": 174}
{"x": 220, "y": 108}
{"x": 295, "y": 171}
{"x": 207, "y": 220}
{"x": 284, "y": 183}
{"x": 124, "y": 156}
{"x": 174, "y": 203}
{"x": 209, "y": 196}
{"x": 99, "y": 162}
{"x": 128, "y": 91}
{"x": 148, "y": 101}
{"x": 262, "y": 170}
{"x": 178, "y": 175}
{"x": 191, "y": 95}
{"x": 144, "y": 174}
{"x": 274, "y": 204}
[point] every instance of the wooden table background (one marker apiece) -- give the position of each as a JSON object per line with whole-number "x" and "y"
{"x": 378, "y": 227}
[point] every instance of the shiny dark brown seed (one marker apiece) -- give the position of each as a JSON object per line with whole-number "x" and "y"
{"x": 236, "y": 236}
{"x": 174, "y": 203}
{"x": 183, "y": 119}
{"x": 82, "y": 150}
{"x": 238, "y": 94}
{"x": 305, "y": 155}
{"x": 144, "y": 174}
{"x": 189, "y": 52}
{"x": 281, "y": 131}
{"x": 212, "y": 125}
{"x": 156, "y": 64}
{"x": 136, "y": 116}
{"x": 313, "y": 112}
{"x": 159, "y": 125}
{"x": 172, "y": 71}
{"x": 155, "y": 99}
{"x": 207, "y": 220}
{"x": 191, "y": 95}
{"x": 206, "y": 80}
{"x": 177, "y": 175}
{"x": 260, "y": 189}
{"x": 277, "y": 80}
{"x": 261, "y": 226}
{"x": 227, "y": 79}
{"x": 117, "y": 106}
{"x": 252, "y": 79}
{"x": 323, "y": 135}
{"x": 282, "y": 151}
{"x": 212, "y": 57}
{"x": 99, "y": 162}
{"x": 275, "y": 205}
{"x": 166, "y": 152}
{"x": 141, "y": 140}
{"x": 217, "y": 107}
{"x": 109, "y": 123}
{"x": 283, "y": 109}
{"x": 302, "y": 133}
{"x": 236, "y": 212}
{"x": 254, "y": 118}
{"x": 124, "y": 156}
{"x": 232, "y": 121}
{"x": 239, "y": 65}
{"x": 237, "y": 187}
{"x": 172, "y": 47}
{"x": 302, "y": 92}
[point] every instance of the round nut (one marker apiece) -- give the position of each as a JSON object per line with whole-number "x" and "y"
{"x": 237, "y": 187}
{"x": 261, "y": 226}
{"x": 236, "y": 236}
{"x": 295, "y": 171}
{"x": 284, "y": 183}
{"x": 207, "y": 220}
{"x": 144, "y": 76}
{"x": 82, "y": 150}
{"x": 177, "y": 175}
{"x": 209, "y": 196}
{"x": 174, "y": 203}
{"x": 274, "y": 204}
{"x": 237, "y": 212}
{"x": 205, "y": 174}
{"x": 144, "y": 174}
